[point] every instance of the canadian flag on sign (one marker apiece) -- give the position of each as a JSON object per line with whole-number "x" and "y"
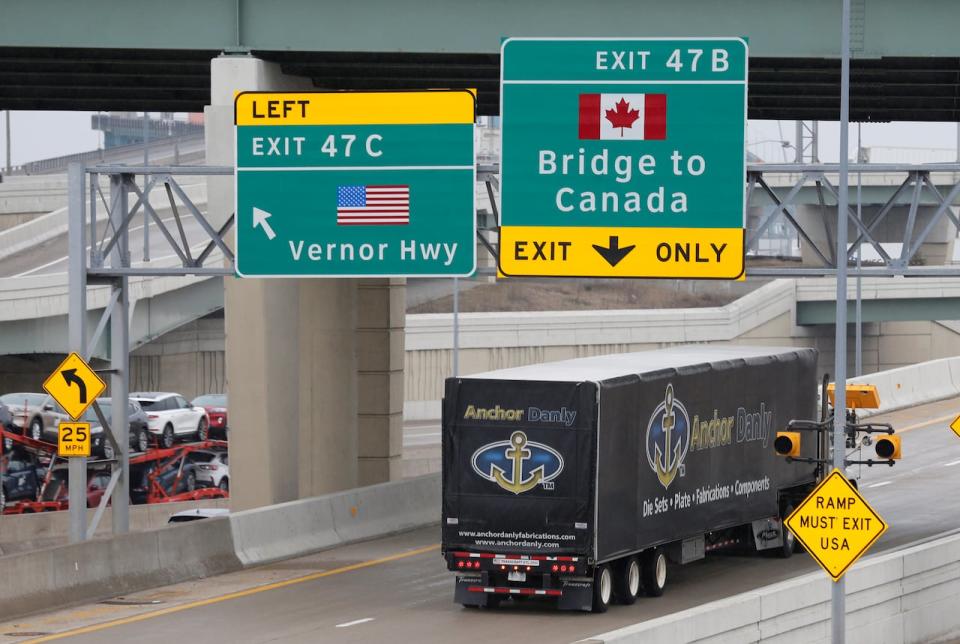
{"x": 623, "y": 116}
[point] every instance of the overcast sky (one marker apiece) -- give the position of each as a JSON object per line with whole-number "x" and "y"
{"x": 40, "y": 135}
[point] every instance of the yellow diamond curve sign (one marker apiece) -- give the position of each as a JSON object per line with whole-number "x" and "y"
{"x": 955, "y": 425}
{"x": 835, "y": 524}
{"x": 74, "y": 385}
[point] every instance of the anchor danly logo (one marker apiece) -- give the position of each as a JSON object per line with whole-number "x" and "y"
{"x": 518, "y": 465}
{"x": 668, "y": 437}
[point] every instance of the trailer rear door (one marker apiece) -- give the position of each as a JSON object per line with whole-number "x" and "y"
{"x": 518, "y": 466}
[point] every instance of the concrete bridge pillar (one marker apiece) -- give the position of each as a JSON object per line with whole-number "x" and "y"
{"x": 314, "y": 366}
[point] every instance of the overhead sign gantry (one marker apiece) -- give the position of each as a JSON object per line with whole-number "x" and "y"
{"x": 623, "y": 157}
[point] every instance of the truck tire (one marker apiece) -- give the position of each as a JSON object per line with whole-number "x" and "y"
{"x": 653, "y": 572}
{"x": 626, "y": 583}
{"x": 602, "y": 589}
{"x": 789, "y": 546}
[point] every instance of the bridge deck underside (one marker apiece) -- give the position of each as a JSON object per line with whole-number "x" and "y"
{"x": 44, "y": 78}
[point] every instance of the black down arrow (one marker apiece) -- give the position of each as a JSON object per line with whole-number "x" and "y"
{"x": 614, "y": 253}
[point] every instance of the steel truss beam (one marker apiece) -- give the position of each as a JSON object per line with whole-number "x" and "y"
{"x": 916, "y": 183}
{"x": 108, "y": 263}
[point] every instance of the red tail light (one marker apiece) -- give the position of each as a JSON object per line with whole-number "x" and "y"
{"x": 555, "y": 568}
{"x": 459, "y": 564}
{"x": 152, "y": 416}
{"x": 563, "y": 569}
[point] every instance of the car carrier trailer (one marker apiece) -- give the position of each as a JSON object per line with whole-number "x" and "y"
{"x": 580, "y": 480}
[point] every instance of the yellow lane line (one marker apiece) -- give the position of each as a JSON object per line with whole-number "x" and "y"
{"x": 235, "y": 595}
{"x": 926, "y": 423}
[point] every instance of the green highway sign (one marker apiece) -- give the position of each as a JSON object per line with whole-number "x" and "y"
{"x": 623, "y": 157}
{"x": 355, "y": 184}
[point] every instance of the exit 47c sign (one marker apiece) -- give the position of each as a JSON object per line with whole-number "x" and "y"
{"x": 355, "y": 184}
{"x": 623, "y": 157}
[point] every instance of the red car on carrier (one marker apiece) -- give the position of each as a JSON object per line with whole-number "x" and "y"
{"x": 216, "y": 408}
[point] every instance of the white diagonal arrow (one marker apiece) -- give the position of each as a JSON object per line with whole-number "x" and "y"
{"x": 260, "y": 218}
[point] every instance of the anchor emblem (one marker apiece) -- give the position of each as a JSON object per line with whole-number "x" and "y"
{"x": 667, "y": 440}
{"x": 518, "y": 454}
{"x": 504, "y": 462}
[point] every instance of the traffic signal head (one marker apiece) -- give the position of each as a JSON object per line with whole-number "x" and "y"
{"x": 787, "y": 444}
{"x": 888, "y": 446}
{"x": 858, "y": 396}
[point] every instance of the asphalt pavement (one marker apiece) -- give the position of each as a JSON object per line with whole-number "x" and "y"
{"x": 397, "y": 589}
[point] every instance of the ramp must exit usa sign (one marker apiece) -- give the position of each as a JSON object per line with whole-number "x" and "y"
{"x": 623, "y": 157}
{"x": 355, "y": 184}
{"x": 835, "y": 524}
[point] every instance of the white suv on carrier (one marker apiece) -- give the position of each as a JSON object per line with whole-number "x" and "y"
{"x": 170, "y": 416}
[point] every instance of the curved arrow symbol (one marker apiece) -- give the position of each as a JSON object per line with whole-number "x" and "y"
{"x": 70, "y": 377}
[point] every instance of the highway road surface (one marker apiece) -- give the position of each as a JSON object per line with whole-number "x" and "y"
{"x": 397, "y": 589}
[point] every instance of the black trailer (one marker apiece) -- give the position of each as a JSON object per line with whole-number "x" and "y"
{"x": 581, "y": 479}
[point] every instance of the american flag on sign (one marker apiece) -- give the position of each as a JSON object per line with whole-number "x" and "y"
{"x": 373, "y": 205}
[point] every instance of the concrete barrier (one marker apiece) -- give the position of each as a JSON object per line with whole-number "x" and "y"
{"x": 281, "y": 531}
{"x": 901, "y": 597}
{"x": 103, "y": 568}
{"x": 291, "y": 529}
{"x": 917, "y": 384}
{"x": 19, "y": 532}
{"x": 54, "y": 577}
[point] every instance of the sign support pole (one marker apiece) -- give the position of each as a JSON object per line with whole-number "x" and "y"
{"x": 120, "y": 355}
{"x": 838, "y": 608}
{"x": 858, "y": 365}
{"x": 456, "y": 327}
{"x": 77, "y": 332}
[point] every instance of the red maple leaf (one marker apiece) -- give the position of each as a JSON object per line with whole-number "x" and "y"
{"x": 623, "y": 116}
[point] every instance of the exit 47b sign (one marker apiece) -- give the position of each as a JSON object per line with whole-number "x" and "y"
{"x": 623, "y": 157}
{"x": 355, "y": 184}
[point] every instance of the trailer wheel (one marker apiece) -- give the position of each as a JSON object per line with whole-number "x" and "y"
{"x": 653, "y": 571}
{"x": 602, "y": 589}
{"x": 626, "y": 584}
{"x": 789, "y": 545}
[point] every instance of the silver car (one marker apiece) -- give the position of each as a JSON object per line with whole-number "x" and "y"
{"x": 35, "y": 415}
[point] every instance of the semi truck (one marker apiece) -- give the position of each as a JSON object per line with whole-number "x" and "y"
{"x": 583, "y": 480}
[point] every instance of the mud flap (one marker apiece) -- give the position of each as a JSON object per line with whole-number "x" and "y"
{"x": 767, "y": 533}
{"x": 577, "y": 595}
{"x": 462, "y": 594}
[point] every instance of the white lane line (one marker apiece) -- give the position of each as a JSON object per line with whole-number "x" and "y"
{"x": 880, "y": 484}
{"x": 951, "y": 463}
{"x": 355, "y": 622}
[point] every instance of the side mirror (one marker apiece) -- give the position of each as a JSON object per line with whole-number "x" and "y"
{"x": 48, "y": 407}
